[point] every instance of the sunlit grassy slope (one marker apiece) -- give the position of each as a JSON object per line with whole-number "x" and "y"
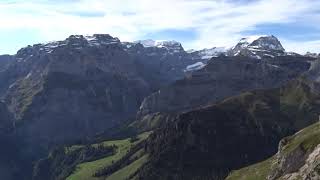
{"x": 125, "y": 172}
{"x": 86, "y": 170}
{"x": 309, "y": 138}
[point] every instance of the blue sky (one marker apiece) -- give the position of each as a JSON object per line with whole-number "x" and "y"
{"x": 195, "y": 23}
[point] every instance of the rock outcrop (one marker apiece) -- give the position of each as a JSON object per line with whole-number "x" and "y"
{"x": 298, "y": 156}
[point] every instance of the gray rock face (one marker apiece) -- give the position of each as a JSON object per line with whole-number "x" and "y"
{"x": 267, "y": 43}
{"x": 76, "y": 107}
{"x": 207, "y": 54}
{"x": 289, "y": 163}
{"x": 262, "y": 47}
{"x": 5, "y": 60}
{"x": 6, "y": 126}
{"x": 162, "y": 63}
{"x": 314, "y": 72}
{"x": 6, "y": 119}
{"x": 221, "y": 78}
{"x": 73, "y": 89}
{"x": 313, "y": 76}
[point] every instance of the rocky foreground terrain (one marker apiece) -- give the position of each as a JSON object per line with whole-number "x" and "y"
{"x": 298, "y": 157}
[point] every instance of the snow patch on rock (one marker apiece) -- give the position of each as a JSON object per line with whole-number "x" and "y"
{"x": 195, "y": 66}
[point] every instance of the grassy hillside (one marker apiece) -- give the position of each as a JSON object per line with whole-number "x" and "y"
{"x": 257, "y": 171}
{"x": 93, "y": 161}
{"x": 128, "y": 171}
{"x": 86, "y": 171}
{"x": 308, "y": 138}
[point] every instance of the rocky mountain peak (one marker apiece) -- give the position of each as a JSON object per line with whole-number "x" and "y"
{"x": 94, "y": 40}
{"x": 102, "y": 39}
{"x": 76, "y": 40}
{"x": 146, "y": 43}
{"x": 258, "y": 47}
{"x": 206, "y": 54}
{"x": 267, "y": 43}
{"x": 73, "y": 42}
{"x": 171, "y": 46}
{"x": 313, "y": 55}
{"x": 245, "y": 41}
{"x": 260, "y": 42}
{"x": 168, "y": 44}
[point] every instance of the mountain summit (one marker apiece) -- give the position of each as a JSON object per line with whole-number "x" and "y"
{"x": 258, "y": 47}
{"x": 267, "y": 43}
{"x": 171, "y": 46}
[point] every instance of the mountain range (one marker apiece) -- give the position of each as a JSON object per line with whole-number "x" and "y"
{"x": 195, "y": 114}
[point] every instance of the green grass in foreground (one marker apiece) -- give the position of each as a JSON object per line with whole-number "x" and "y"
{"x": 85, "y": 171}
{"x": 125, "y": 172}
{"x": 254, "y": 172}
{"x": 309, "y": 138}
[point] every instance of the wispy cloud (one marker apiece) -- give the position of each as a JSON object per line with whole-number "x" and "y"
{"x": 213, "y": 22}
{"x": 302, "y": 46}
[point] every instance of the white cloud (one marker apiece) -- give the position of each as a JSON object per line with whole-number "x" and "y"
{"x": 216, "y": 22}
{"x": 302, "y": 46}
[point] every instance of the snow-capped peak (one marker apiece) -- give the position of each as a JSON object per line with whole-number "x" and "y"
{"x": 101, "y": 39}
{"x": 191, "y": 51}
{"x": 246, "y": 41}
{"x": 157, "y": 43}
{"x": 267, "y": 43}
{"x": 172, "y": 46}
{"x": 161, "y": 43}
{"x": 74, "y": 41}
{"x": 313, "y": 55}
{"x": 209, "y": 53}
{"x": 258, "y": 47}
{"x": 147, "y": 42}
